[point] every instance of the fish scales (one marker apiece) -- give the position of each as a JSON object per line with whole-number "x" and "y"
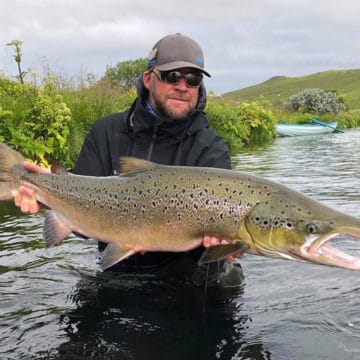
{"x": 151, "y": 207}
{"x": 161, "y": 197}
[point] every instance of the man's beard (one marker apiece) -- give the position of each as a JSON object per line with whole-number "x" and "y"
{"x": 167, "y": 115}
{"x": 170, "y": 116}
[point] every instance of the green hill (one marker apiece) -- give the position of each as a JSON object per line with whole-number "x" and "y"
{"x": 279, "y": 88}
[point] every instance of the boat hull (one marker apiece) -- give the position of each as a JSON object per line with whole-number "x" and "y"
{"x": 304, "y": 129}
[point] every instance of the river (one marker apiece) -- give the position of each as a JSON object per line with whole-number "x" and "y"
{"x": 56, "y": 304}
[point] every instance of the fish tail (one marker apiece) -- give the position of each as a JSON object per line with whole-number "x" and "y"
{"x": 9, "y": 181}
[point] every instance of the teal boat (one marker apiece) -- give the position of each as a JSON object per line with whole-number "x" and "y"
{"x": 317, "y": 127}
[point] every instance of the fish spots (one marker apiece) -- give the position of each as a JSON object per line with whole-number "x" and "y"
{"x": 266, "y": 223}
{"x": 231, "y": 210}
{"x": 263, "y": 223}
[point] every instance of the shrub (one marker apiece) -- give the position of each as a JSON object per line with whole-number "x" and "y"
{"x": 225, "y": 120}
{"x": 239, "y": 125}
{"x": 260, "y": 120}
{"x": 124, "y": 74}
{"x": 5, "y": 124}
{"x": 42, "y": 135}
{"x": 315, "y": 101}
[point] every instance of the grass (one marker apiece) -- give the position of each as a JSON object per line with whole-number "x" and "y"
{"x": 278, "y": 89}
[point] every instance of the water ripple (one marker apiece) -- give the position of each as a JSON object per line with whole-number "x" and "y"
{"x": 56, "y": 304}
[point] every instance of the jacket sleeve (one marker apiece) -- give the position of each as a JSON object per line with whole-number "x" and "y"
{"x": 214, "y": 152}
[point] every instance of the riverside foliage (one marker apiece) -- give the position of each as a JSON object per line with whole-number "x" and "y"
{"x": 48, "y": 122}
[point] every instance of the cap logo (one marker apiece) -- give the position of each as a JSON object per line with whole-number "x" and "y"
{"x": 153, "y": 54}
{"x": 152, "y": 58}
{"x": 198, "y": 61}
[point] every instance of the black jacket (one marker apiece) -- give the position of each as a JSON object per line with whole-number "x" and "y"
{"x": 136, "y": 132}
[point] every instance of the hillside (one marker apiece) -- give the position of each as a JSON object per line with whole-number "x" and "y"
{"x": 279, "y": 88}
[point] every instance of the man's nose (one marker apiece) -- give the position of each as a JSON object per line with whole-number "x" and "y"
{"x": 181, "y": 85}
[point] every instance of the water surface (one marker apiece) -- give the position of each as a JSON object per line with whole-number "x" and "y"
{"x": 56, "y": 304}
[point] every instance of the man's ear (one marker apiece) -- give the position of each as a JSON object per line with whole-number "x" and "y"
{"x": 146, "y": 79}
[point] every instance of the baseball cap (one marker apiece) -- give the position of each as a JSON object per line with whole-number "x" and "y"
{"x": 176, "y": 51}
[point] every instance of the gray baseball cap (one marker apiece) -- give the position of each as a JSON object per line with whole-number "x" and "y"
{"x": 176, "y": 51}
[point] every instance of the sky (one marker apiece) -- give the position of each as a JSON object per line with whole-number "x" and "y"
{"x": 245, "y": 42}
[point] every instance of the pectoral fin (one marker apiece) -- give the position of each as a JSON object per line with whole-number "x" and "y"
{"x": 221, "y": 252}
{"x": 54, "y": 228}
{"x": 113, "y": 254}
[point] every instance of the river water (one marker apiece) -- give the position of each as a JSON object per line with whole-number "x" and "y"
{"x": 56, "y": 304}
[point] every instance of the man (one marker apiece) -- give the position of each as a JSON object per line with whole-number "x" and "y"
{"x": 166, "y": 124}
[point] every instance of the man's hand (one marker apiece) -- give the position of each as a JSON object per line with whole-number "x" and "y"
{"x": 24, "y": 197}
{"x": 213, "y": 241}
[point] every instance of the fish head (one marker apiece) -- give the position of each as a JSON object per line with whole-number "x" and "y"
{"x": 298, "y": 228}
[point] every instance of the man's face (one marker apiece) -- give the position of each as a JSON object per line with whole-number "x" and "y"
{"x": 172, "y": 101}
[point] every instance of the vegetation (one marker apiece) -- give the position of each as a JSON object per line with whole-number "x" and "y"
{"x": 125, "y": 74}
{"x": 89, "y": 103}
{"x": 41, "y": 128}
{"x": 16, "y": 44}
{"x": 315, "y": 101}
{"x": 242, "y": 124}
{"x": 48, "y": 122}
{"x": 277, "y": 90}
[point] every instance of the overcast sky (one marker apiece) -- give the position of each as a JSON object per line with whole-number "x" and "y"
{"x": 245, "y": 41}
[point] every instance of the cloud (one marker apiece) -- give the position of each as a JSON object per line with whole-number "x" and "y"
{"x": 244, "y": 41}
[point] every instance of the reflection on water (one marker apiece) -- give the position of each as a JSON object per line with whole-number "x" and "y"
{"x": 128, "y": 317}
{"x": 55, "y": 304}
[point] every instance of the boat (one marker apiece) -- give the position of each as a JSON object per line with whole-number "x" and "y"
{"x": 317, "y": 127}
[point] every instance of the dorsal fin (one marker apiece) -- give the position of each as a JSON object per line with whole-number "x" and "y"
{"x": 130, "y": 164}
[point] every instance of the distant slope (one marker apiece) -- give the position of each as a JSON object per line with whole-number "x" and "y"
{"x": 279, "y": 88}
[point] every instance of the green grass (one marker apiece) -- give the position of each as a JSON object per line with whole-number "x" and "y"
{"x": 279, "y": 88}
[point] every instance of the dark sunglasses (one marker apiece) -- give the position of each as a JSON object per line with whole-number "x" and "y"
{"x": 173, "y": 77}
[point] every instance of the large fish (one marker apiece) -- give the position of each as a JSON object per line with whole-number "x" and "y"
{"x": 150, "y": 207}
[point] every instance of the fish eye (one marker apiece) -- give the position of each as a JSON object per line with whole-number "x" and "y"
{"x": 311, "y": 228}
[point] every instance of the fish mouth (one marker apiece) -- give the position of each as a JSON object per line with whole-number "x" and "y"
{"x": 316, "y": 249}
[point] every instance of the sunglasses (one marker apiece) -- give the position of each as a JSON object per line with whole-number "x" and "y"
{"x": 173, "y": 77}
